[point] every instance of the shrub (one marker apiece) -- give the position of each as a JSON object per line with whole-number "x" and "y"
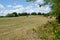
{"x": 56, "y": 29}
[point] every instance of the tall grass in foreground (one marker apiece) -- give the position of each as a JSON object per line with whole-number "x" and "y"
{"x": 49, "y": 31}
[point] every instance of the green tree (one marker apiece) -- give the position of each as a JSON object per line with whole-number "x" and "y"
{"x": 33, "y": 13}
{"x": 15, "y": 14}
{"x": 23, "y": 14}
{"x": 39, "y": 13}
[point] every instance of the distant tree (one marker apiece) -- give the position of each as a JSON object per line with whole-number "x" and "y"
{"x": 24, "y": 14}
{"x": 33, "y": 13}
{"x": 39, "y": 13}
{"x": 15, "y": 14}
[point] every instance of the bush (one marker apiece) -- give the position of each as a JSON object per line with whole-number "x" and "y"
{"x": 56, "y": 29}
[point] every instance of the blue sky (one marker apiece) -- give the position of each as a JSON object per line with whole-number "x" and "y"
{"x": 19, "y": 6}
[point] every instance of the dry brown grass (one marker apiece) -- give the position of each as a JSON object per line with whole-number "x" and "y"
{"x": 19, "y": 28}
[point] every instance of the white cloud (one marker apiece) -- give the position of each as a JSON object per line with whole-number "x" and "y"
{"x": 15, "y": 7}
{"x": 1, "y": 6}
{"x": 33, "y": 7}
{"x": 9, "y": 6}
{"x": 1, "y": 13}
{"x": 18, "y": 6}
{"x": 29, "y": 9}
{"x": 39, "y": 1}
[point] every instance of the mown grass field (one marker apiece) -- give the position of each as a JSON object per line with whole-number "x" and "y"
{"x": 23, "y": 28}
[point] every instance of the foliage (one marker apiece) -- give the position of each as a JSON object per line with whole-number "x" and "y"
{"x": 15, "y": 14}
{"x": 56, "y": 29}
{"x": 33, "y": 13}
{"x": 23, "y": 14}
{"x": 55, "y": 6}
{"x": 49, "y": 31}
{"x": 39, "y": 13}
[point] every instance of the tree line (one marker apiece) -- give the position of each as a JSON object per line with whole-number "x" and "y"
{"x": 15, "y": 14}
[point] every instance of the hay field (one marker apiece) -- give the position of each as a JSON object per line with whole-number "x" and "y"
{"x": 20, "y": 28}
